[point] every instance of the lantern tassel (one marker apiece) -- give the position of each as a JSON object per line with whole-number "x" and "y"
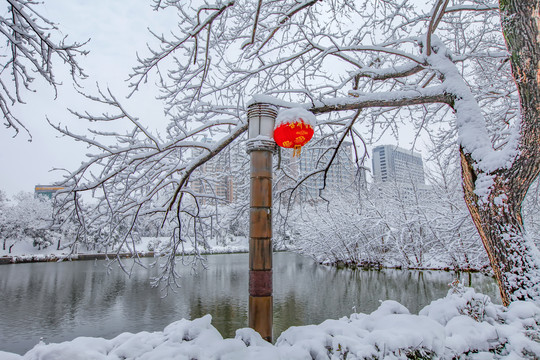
{"x": 297, "y": 150}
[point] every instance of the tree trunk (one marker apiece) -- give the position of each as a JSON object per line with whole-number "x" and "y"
{"x": 513, "y": 256}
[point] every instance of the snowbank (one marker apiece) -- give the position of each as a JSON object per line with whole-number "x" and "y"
{"x": 463, "y": 324}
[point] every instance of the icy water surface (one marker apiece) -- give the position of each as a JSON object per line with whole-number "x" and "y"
{"x": 61, "y": 301}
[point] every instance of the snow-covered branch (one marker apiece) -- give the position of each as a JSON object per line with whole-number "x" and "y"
{"x": 358, "y": 100}
{"x": 32, "y": 47}
{"x": 441, "y": 73}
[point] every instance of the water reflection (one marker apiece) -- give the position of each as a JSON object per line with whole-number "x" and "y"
{"x": 60, "y": 301}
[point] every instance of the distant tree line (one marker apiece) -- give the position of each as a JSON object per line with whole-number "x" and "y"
{"x": 27, "y": 218}
{"x": 397, "y": 224}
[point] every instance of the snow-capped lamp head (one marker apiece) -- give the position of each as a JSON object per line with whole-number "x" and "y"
{"x": 294, "y": 128}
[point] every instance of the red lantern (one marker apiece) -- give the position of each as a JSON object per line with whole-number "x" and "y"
{"x": 293, "y": 131}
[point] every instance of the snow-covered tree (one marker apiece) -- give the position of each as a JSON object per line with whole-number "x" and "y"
{"x": 366, "y": 67}
{"x": 531, "y": 211}
{"x": 28, "y": 219}
{"x": 3, "y": 215}
{"x": 32, "y": 44}
{"x": 449, "y": 219}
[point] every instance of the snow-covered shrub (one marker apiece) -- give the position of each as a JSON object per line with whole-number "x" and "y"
{"x": 475, "y": 326}
{"x": 393, "y": 225}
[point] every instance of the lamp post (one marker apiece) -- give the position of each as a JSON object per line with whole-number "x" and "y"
{"x": 261, "y": 146}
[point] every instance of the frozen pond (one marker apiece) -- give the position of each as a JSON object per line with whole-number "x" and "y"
{"x": 61, "y": 301}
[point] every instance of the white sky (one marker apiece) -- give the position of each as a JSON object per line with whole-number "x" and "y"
{"x": 117, "y": 29}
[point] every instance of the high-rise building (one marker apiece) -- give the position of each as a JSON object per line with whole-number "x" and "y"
{"x": 342, "y": 175}
{"x": 392, "y": 163}
{"x": 216, "y": 178}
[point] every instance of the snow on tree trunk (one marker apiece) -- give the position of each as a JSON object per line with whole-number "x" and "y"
{"x": 514, "y": 257}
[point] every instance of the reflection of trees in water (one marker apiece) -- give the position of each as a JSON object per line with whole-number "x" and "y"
{"x": 227, "y": 315}
{"x": 289, "y": 311}
{"x": 221, "y": 290}
{"x": 63, "y": 300}
{"x": 318, "y": 292}
{"x": 48, "y": 297}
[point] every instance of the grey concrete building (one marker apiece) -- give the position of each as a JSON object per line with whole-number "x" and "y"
{"x": 392, "y": 163}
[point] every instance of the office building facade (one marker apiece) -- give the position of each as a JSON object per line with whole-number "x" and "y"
{"x": 219, "y": 178}
{"x": 394, "y": 164}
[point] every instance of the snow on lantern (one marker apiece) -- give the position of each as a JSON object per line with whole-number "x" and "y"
{"x": 294, "y": 128}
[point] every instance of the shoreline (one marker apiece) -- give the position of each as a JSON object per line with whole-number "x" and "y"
{"x": 24, "y": 259}
{"x": 35, "y": 258}
{"x": 341, "y": 265}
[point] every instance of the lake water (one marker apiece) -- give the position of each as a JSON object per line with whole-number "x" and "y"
{"x": 61, "y": 301}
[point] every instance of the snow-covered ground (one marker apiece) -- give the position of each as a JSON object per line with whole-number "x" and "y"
{"x": 464, "y": 325}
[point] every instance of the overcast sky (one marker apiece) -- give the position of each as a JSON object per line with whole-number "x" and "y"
{"x": 117, "y": 30}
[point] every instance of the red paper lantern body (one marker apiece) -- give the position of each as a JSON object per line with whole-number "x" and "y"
{"x": 293, "y": 135}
